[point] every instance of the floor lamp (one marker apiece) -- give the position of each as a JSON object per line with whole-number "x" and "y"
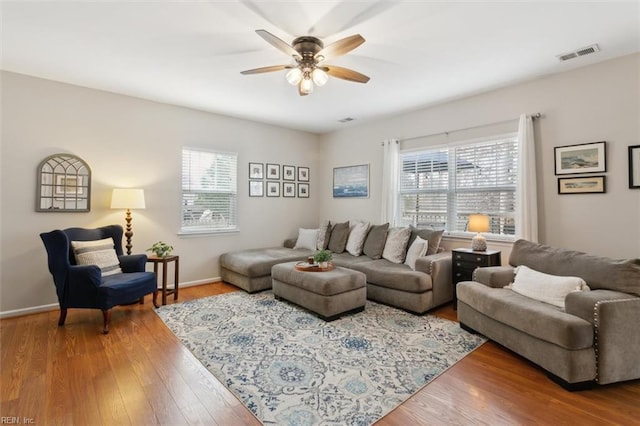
{"x": 127, "y": 198}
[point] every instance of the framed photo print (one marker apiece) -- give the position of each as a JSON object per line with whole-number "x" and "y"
{"x": 583, "y": 158}
{"x": 273, "y": 189}
{"x": 256, "y": 171}
{"x": 256, "y": 188}
{"x": 273, "y": 171}
{"x": 634, "y": 166}
{"x": 581, "y": 185}
{"x": 303, "y": 190}
{"x": 288, "y": 189}
{"x": 351, "y": 182}
{"x": 288, "y": 172}
{"x": 68, "y": 185}
{"x": 303, "y": 174}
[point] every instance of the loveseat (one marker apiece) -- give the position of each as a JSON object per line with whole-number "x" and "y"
{"x": 416, "y": 288}
{"x": 594, "y": 337}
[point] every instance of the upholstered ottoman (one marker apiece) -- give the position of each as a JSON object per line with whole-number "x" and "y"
{"x": 329, "y": 294}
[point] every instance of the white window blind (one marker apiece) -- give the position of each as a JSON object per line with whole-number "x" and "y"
{"x": 441, "y": 187}
{"x": 209, "y": 191}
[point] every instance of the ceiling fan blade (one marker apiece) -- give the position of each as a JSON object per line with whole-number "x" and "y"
{"x": 266, "y": 69}
{"x": 276, "y": 42}
{"x": 345, "y": 74}
{"x": 341, "y": 47}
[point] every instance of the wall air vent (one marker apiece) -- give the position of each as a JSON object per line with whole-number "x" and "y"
{"x": 346, "y": 120}
{"x": 579, "y": 52}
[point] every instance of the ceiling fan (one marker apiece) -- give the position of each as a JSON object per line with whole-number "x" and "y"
{"x": 309, "y": 52}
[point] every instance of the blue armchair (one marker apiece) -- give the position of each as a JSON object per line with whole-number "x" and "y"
{"x": 83, "y": 286}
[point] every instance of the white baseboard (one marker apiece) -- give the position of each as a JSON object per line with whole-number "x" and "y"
{"x": 54, "y": 306}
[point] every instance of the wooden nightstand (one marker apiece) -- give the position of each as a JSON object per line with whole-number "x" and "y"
{"x": 465, "y": 261}
{"x": 164, "y": 261}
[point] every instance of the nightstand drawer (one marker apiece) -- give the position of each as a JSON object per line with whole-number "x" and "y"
{"x": 465, "y": 261}
{"x": 471, "y": 258}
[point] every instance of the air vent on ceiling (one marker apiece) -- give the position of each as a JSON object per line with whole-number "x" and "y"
{"x": 346, "y": 120}
{"x": 579, "y": 52}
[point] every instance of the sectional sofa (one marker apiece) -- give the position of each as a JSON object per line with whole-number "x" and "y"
{"x": 377, "y": 251}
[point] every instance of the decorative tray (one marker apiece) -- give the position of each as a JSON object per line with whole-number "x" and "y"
{"x": 313, "y": 267}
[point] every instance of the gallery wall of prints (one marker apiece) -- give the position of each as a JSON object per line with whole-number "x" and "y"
{"x": 278, "y": 180}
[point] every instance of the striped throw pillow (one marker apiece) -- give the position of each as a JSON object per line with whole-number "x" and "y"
{"x": 100, "y": 253}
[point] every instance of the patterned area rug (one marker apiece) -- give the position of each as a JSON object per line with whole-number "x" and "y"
{"x": 291, "y": 368}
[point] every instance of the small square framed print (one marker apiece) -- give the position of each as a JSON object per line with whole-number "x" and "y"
{"x": 256, "y": 171}
{"x": 303, "y": 174}
{"x": 256, "y": 188}
{"x": 288, "y": 189}
{"x": 273, "y": 189}
{"x": 273, "y": 171}
{"x": 288, "y": 172}
{"x": 303, "y": 190}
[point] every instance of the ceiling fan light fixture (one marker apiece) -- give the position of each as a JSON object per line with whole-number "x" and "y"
{"x": 294, "y": 76}
{"x": 306, "y": 85}
{"x": 320, "y": 77}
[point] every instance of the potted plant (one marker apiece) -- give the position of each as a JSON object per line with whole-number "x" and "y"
{"x": 322, "y": 258}
{"x": 161, "y": 249}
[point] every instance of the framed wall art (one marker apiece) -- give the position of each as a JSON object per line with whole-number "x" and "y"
{"x": 582, "y": 158}
{"x": 351, "y": 182}
{"x": 63, "y": 184}
{"x": 288, "y": 172}
{"x": 273, "y": 189}
{"x": 288, "y": 189}
{"x": 303, "y": 190}
{"x": 303, "y": 174}
{"x": 581, "y": 185}
{"x": 634, "y": 166}
{"x": 256, "y": 171}
{"x": 256, "y": 188}
{"x": 273, "y": 171}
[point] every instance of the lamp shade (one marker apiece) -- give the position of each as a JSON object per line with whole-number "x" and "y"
{"x": 478, "y": 223}
{"x": 127, "y": 198}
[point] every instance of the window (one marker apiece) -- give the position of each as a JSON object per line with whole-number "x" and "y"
{"x": 209, "y": 191}
{"x": 441, "y": 187}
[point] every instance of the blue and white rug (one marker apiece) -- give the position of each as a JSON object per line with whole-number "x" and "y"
{"x": 291, "y": 368}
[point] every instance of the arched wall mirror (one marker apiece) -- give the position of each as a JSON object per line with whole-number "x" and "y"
{"x": 64, "y": 184}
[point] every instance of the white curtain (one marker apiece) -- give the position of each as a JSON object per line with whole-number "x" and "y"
{"x": 390, "y": 181}
{"x": 527, "y": 193}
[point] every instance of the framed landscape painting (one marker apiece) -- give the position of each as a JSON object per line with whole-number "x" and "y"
{"x": 582, "y": 158}
{"x": 581, "y": 185}
{"x": 351, "y": 182}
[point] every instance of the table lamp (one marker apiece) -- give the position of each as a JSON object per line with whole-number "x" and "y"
{"x": 478, "y": 223}
{"x": 127, "y": 198}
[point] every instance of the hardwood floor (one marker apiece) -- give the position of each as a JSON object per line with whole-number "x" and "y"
{"x": 141, "y": 374}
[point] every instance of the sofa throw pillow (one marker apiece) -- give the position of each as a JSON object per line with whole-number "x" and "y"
{"x": 324, "y": 232}
{"x": 357, "y": 235}
{"x": 434, "y": 236}
{"x": 545, "y": 288}
{"x": 338, "y": 238}
{"x": 374, "y": 243}
{"x": 395, "y": 248}
{"x": 98, "y": 252}
{"x": 307, "y": 239}
{"x": 417, "y": 249}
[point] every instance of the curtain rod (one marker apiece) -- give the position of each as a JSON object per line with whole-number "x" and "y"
{"x": 533, "y": 116}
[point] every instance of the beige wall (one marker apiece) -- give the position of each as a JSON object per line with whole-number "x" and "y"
{"x": 130, "y": 142}
{"x": 133, "y": 142}
{"x": 594, "y": 103}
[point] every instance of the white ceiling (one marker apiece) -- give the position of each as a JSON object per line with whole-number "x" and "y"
{"x": 417, "y": 53}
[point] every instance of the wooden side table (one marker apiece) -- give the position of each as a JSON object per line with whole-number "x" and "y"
{"x": 465, "y": 261}
{"x": 164, "y": 261}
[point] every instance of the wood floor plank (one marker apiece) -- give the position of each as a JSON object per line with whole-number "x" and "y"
{"x": 140, "y": 373}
